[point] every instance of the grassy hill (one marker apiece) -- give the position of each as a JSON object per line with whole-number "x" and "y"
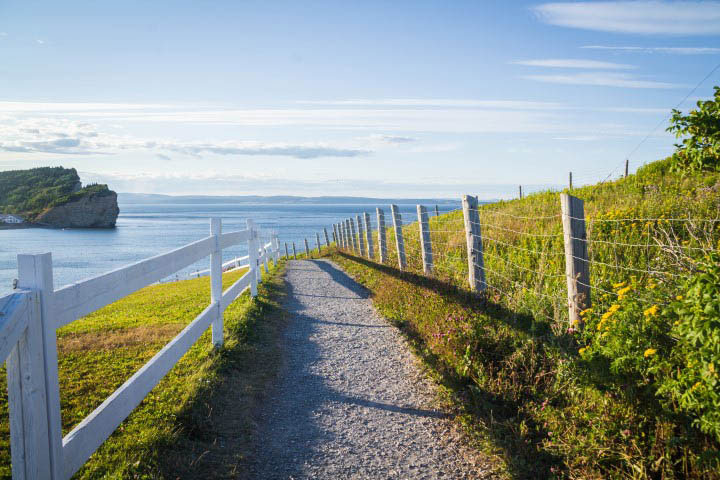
{"x": 29, "y": 192}
{"x": 636, "y": 393}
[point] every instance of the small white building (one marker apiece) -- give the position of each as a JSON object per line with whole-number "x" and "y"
{"x": 10, "y": 218}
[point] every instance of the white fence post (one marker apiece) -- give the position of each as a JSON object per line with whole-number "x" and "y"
{"x": 382, "y": 239}
{"x": 473, "y": 235}
{"x": 425, "y": 243}
{"x": 266, "y": 259}
{"x": 216, "y": 281}
{"x": 253, "y": 257}
{"x": 327, "y": 238}
{"x": 33, "y": 388}
{"x": 577, "y": 265}
{"x": 399, "y": 243}
{"x": 368, "y": 236}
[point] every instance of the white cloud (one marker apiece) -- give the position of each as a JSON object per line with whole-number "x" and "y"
{"x": 643, "y": 17}
{"x": 3, "y": 34}
{"x": 668, "y": 50}
{"x": 574, "y": 63}
{"x": 602, "y": 79}
{"x": 438, "y": 102}
{"x": 391, "y": 139}
{"x": 40, "y": 42}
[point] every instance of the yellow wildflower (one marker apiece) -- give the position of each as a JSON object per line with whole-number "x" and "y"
{"x": 696, "y": 386}
{"x": 711, "y": 367}
{"x": 619, "y": 285}
{"x": 621, "y": 293}
{"x": 582, "y": 350}
{"x": 649, "y": 352}
{"x": 679, "y": 297}
{"x": 652, "y": 311}
{"x": 586, "y": 311}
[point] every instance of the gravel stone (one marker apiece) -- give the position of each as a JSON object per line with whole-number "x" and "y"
{"x": 350, "y": 400}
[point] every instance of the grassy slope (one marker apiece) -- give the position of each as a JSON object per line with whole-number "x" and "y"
{"x": 163, "y": 435}
{"x": 510, "y": 365}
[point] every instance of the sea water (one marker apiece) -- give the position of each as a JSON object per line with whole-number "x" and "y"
{"x": 147, "y": 230}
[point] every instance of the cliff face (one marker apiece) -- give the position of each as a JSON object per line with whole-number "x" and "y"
{"x": 96, "y": 211}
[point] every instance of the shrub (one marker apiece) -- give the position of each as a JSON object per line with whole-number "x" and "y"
{"x": 701, "y": 149}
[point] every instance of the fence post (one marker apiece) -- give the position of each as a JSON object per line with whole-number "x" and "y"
{"x": 327, "y": 238}
{"x": 425, "y": 243}
{"x": 216, "y": 281}
{"x": 399, "y": 243}
{"x": 33, "y": 387}
{"x": 570, "y": 180}
{"x": 336, "y": 237}
{"x": 353, "y": 236}
{"x": 346, "y": 234}
{"x": 276, "y": 248}
{"x": 368, "y": 236}
{"x": 577, "y": 265}
{"x": 253, "y": 257}
{"x": 382, "y": 239}
{"x": 361, "y": 235}
{"x": 307, "y": 249}
{"x": 437, "y": 211}
{"x": 341, "y": 233}
{"x": 317, "y": 242}
{"x": 476, "y": 262}
{"x": 287, "y": 254}
{"x": 294, "y": 251}
{"x": 265, "y": 259}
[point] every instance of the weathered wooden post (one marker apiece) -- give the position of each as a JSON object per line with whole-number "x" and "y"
{"x": 32, "y": 373}
{"x": 437, "y": 211}
{"x": 577, "y": 265}
{"x": 287, "y": 255}
{"x": 307, "y": 249}
{"x": 343, "y": 228}
{"x": 368, "y": 236}
{"x": 425, "y": 243}
{"x": 520, "y": 190}
{"x": 361, "y": 235}
{"x": 476, "y": 262}
{"x": 253, "y": 257}
{"x": 627, "y": 164}
{"x": 294, "y": 251}
{"x": 399, "y": 244}
{"x": 317, "y": 242}
{"x": 216, "y": 281}
{"x": 382, "y": 239}
{"x": 570, "y": 180}
{"x": 353, "y": 236}
{"x": 327, "y": 238}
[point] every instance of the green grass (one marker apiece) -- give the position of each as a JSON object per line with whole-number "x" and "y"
{"x": 99, "y": 352}
{"x": 510, "y": 364}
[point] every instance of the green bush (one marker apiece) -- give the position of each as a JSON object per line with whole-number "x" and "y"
{"x": 701, "y": 149}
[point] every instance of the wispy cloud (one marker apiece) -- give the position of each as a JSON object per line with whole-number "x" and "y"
{"x": 602, "y": 79}
{"x": 40, "y": 42}
{"x": 437, "y": 102}
{"x": 392, "y": 139}
{"x": 643, "y": 17}
{"x": 668, "y": 50}
{"x": 3, "y": 34}
{"x": 574, "y": 63}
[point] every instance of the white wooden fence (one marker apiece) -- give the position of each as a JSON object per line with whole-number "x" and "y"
{"x": 30, "y": 317}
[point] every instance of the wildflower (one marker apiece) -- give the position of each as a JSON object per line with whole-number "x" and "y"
{"x": 621, "y": 293}
{"x": 586, "y": 311}
{"x": 651, "y": 312}
{"x": 649, "y": 352}
{"x": 711, "y": 367}
{"x": 679, "y": 297}
{"x": 619, "y": 285}
{"x": 696, "y": 386}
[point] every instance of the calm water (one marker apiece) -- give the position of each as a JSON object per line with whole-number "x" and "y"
{"x": 147, "y": 230}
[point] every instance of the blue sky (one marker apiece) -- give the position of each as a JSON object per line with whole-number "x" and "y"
{"x": 347, "y": 98}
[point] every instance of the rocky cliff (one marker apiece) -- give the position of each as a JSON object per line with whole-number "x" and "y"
{"x": 90, "y": 211}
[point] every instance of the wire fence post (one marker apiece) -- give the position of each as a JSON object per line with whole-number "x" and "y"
{"x": 253, "y": 257}
{"x": 216, "y": 281}
{"x": 368, "y": 236}
{"x": 399, "y": 243}
{"x": 577, "y": 265}
{"x": 33, "y": 387}
{"x": 437, "y": 211}
{"x": 317, "y": 242}
{"x": 353, "y": 237}
{"x": 287, "y": 254}
{"x": 294, "y": 251}
{"x": 382, "y": 239}
{"x": 425, "y": 244}
{"x": 361, "y": 235}
{"x": 346, "y": 234}
{"x": 476, "y": 262}
{"x": 327, "y": 238}
{"x": 307, "y": 249}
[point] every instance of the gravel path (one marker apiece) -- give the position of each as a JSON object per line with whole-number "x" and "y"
{"x": 350, "y": 401}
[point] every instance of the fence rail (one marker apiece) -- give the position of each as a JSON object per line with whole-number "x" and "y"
{"x": 30, "y": 317}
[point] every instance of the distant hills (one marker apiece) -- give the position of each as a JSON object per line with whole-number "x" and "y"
{"x": 151, "y": 198}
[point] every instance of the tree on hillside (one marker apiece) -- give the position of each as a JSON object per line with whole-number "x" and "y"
{"x": 700, "y": 130}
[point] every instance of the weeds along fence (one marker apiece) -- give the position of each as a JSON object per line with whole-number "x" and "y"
{"x": 550, "y": 261}
{"x": 30, "y": 317}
